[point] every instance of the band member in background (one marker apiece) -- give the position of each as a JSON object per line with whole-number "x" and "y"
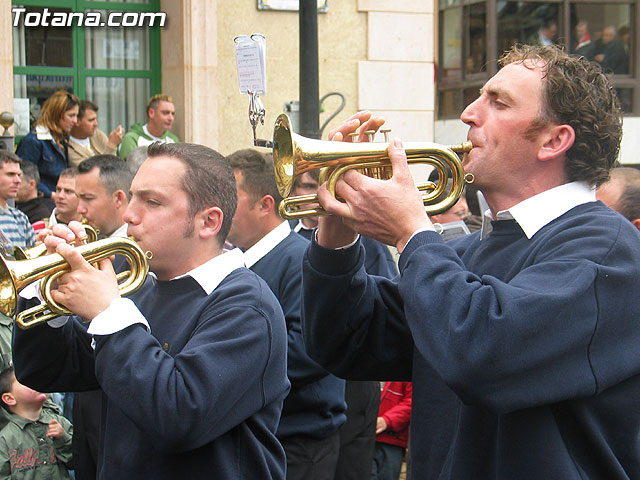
{"x": 358, "y": 434}
{"x": 314, "y": 410}
{"x": 65, "y": 199}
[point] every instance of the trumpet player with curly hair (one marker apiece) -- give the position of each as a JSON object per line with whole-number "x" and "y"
{"x": 521, "y": 339}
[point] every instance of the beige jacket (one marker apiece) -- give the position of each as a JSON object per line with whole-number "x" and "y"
{"x": 99, "y": 141}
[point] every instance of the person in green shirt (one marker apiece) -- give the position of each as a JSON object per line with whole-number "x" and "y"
{"x": 160, "y": 114}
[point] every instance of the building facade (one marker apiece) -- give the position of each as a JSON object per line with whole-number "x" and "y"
{"x": 415, "y": 62}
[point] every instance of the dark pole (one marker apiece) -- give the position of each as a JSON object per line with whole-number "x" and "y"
{"x": 309, "y": 90}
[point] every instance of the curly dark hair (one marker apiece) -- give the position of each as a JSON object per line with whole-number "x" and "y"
{"x": 577, "y": 93}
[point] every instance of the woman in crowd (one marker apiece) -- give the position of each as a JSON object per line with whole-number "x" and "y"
{"x": 46, "y": 145}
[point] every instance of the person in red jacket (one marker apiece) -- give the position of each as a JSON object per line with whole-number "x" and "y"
{"x": 392, "y": 430}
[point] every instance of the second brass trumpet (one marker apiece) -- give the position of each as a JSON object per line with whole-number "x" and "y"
{"x": 294, "y": 155}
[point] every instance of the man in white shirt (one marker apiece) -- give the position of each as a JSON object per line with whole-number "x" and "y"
{"x": 65, "y": 199}
{"x": 87, "y": 140}
{"x": 102, "y": 187}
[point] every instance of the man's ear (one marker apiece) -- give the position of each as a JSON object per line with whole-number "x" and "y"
{"x": 120, "y": 198}
{"x": 559, "y": 139}
{"x": 636, "y": 222}
{"x": 209, "y": 221}
{"x": 9, "y": 399}
{"x": 267, "y": 204}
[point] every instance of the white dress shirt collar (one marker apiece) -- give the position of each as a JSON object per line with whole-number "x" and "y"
{"x": 121, "y": 231}
{"x": 212, "y": 272}
{"x": 266, "y": 244}
{"x": 535, "y": 212}
{"x": 122, "y": 312}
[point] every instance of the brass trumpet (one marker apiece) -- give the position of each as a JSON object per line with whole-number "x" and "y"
{"x": 20, "y": 253}
{"x": 294, "y": 155}
{"x": 17, "y": 274}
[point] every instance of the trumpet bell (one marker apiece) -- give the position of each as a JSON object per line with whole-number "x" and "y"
{"x": 8, "y": 293}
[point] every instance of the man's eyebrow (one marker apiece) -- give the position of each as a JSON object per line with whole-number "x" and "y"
{"x": 495, "y": 92}
{"x": 145, "y": 192}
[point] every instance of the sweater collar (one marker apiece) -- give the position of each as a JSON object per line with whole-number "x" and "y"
{"x": 535, "y": 212}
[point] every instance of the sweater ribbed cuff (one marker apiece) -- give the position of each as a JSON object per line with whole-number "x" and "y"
{"x": 423, "y": 238}
{"x": 328, "y": 261}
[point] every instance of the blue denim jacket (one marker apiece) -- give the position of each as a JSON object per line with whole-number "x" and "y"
{"x": 40, "y": 148}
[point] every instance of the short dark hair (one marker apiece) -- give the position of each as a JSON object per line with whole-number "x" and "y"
{"x": 30, "y": 171}
{"x": 628, "y": 205}
{"x": 70, "y": 172}
{"x": 576, "y": 93}
{"x": 7, "y": 377}
{"x": 114, "y": 174}
{"x": 315, "y": 174}
{"x": 257, "y": 173}
{"x": 84, "y": 106}
{"x": 208, "y": 180}
{"x": 9, "y": 157}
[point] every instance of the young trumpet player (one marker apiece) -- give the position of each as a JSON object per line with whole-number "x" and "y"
{"x": 193, "y": 365}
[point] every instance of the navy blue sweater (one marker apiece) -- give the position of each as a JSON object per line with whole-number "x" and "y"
{"x": 523, "y": 352}
{"x": 199, "y": 397}
{"x": 377, "y": 257}
{"x": 315, "y": 405}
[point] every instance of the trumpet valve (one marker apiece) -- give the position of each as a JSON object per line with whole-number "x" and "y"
{"x": 385, "y": 132}
{"x": 370, "y": 134}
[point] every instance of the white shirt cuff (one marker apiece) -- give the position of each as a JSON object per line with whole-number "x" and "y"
{"x": 120, "y": 314}
{"x": 344, "y": 247}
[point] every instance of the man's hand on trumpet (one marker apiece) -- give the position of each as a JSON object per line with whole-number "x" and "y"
{"x": 390, "y": 211}
{"x": 351, "y": 124}
{"x": 85, "y": 290}
{"x": 332, "y": 231}
{"x": 74, "y": 233}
